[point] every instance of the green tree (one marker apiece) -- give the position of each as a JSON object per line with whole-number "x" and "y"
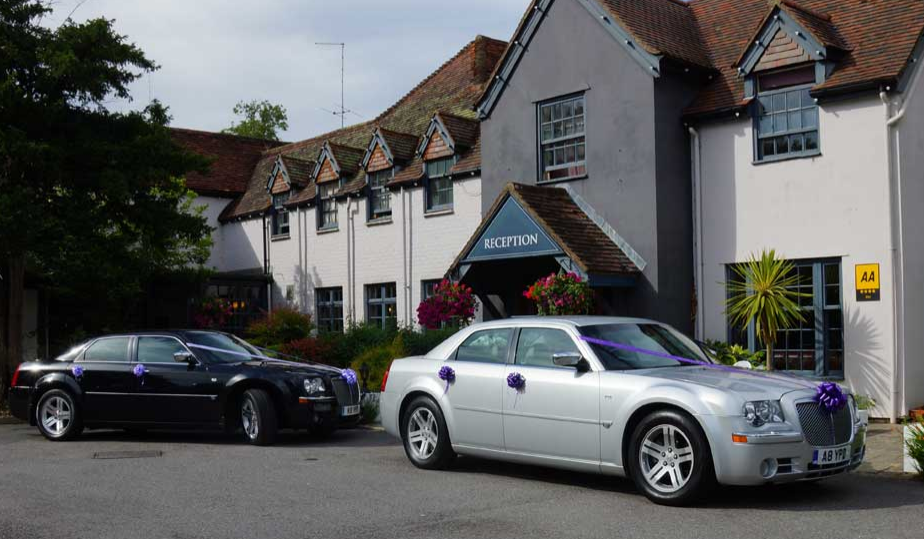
{"x": 261, "y": 119}
{"x": 92, "y": 202}
{"x": 764, "y": 294}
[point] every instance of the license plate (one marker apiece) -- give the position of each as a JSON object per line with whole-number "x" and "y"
{"x": 831, "y": 455}
{"x": 350, "y": 410}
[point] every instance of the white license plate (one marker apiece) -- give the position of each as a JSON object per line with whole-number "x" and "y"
{"x": 350, "y": 410}
{"x": 831, "y": 455}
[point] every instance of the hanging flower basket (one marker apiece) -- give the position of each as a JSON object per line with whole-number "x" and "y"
{"x": 451, "y": 304}
{"x": 561, "y": 294}
{"x": 213, "y": 313}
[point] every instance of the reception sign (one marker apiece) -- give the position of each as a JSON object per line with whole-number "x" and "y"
{"x": 868, "y": 283}
{"x": 512, "y": 233}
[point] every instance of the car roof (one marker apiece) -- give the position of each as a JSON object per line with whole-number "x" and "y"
{"x": 181, "y": 333}
{"x": 575, "y": 321}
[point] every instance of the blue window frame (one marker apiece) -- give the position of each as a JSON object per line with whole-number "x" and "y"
{"x": 329, "y": 309}
{"x": 814, "y": 347}
{"x": 280, "y": 215}
{"x": 786, "y": 116}
{"x": 327, "y": 205}
{"x": 439, "y": 183}
{"x": 382, "y": 305}
{"x": 379, "y": 195}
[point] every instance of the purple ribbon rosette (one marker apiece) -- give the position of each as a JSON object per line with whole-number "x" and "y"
{"x": 349, "y": 375}
{"x": 77, "y": 371}
{"x": 516, "y": 381}
{"x": 830, "y": 397}
{"x": 139, "y": 371}
{"x": 446, "y": 373}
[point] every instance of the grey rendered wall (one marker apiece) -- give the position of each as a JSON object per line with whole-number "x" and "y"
{"x": 571, "y": 52}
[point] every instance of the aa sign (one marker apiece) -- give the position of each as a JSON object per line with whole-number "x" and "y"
{"x": 868, "y": 284}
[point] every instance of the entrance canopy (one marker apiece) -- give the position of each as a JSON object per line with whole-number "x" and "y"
{"x": 533, "y": 231}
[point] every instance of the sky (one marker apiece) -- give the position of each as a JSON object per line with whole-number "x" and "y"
{"x": 214, "y": 53}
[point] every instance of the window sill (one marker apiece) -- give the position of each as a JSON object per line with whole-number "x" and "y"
{"x": 777, "y": 159}
{"x": 562, "y": 180}
{"x": 379, "y": 221}
{"x": 439, "y": 212}
{"x": 329, "y": 230}
{"x": 280, "y": 237}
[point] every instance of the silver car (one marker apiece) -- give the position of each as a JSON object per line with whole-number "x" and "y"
{"x": 531, "y": 390}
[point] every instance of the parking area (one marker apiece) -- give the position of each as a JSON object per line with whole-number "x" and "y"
{"x": 111, "y": 484}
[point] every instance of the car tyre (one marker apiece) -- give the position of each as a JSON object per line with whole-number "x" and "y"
{"x": 669, "y": 459}
{"x": 58, "y": 416}
{"x": 426, "y": 436}
{"x": 258, "y": 417}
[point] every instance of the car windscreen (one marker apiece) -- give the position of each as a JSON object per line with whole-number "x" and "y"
{"x": 221, "y": 341}
{"x": 641, "y": 337}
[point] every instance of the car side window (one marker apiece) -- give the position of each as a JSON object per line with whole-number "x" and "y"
{"x": 158, "y": 349}
{"x": 536, "y": 346}
{"x": 112, "y": 349}
{"x": 487, "y": 346}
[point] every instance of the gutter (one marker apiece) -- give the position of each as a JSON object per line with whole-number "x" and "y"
{"x": 896, "y": 247}
{"x": 698, "y": 263}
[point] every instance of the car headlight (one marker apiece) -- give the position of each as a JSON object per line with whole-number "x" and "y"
{"x": 759, "y": 412}
{"x": 853, "y": 408}
{"x": 314, "y": 386}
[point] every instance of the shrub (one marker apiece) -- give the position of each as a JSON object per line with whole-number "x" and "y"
{"x": 450, "y": 304}
{"x": 313, "y": 349}
{"x": 865, "y": 402}
{"x": 915, "y": 445}
{"x": 279, "y": 327}
{"x": 418, "y": 343}
{"x": 355, "y": 340}
{"x": 561, "y": 294}
{"x": 377, "y": 359}
{"x": 370, "y": 411}
{"x": 729, "y": 354}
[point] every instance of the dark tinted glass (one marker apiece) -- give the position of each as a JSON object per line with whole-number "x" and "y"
{"x": 109, "y": 349}
{"x": 158, "y": 349}
{"x": 242, "y": 350}
{"x": 646, "y": 337}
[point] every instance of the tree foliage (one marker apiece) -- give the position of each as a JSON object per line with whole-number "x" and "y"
{"x": 259, "y": 119}
{"x": 92, "y": 200}
{"x": 763, "y": 293}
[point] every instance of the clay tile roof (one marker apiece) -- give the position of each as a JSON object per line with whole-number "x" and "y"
{"x": 234, "y": 158}
{"x": 299, "y": 170}
{"x": 348, "y": 158}
{"x": 818, "y": 24}
{"x": 453, "y": 88}
{"x": 666, "y": 27}
{"x": 413, "y": 172}
{"x": 464, "y": 131}
{"x": 403, "y": 146}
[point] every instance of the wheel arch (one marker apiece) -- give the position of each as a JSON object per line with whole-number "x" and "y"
{"x": 235, "y": 390}
{"x": 406, "y": 402}
{"x": 648, "y": 408}
{"x": 48, "y": 382}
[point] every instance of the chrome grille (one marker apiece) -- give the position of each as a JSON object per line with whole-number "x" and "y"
{"x": 346, "y": 394}
{"x": 822, "y": 429}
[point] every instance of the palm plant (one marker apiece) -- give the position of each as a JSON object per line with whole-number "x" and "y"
{"x": 764, "y": 294}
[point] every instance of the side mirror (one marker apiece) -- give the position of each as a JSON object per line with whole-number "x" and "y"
{"x": 569, "y": 359}
{"x": 184, "y": 357}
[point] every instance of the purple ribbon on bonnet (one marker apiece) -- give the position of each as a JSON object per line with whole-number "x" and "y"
{"x": 349, "y": 375}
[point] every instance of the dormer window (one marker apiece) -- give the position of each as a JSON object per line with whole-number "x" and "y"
{"x": 439, "y": 184}
{"x": 786, "y": 122}
{"x": 379, "y": 195}
{"x": 280, "y": 215}
{"x": 327, "y": 206}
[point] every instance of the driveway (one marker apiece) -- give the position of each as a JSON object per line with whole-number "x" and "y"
{"x": 359, "y": 484}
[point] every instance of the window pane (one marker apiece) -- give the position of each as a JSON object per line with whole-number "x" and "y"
{"x": 567, "y": 109}
{"x": 768, "y": 147}
{"x": 811, "y": 140}
{"x": 488, "y": 346}
{"x": 779, "y": 102}
{"x": 807, "y": 100}
{"x": 548, "y": 157}
{"x": 793, "y": 100}
{"x": 766, "y": 125}
{"x": 546, "y": 131}
{"x": 579, "y": 125}
{"x": 556, "y": 111}
{"x": 795, "y": 120}
{"x": 579, "y": 106}
{"x": 765, "y": 104}
{"x": 782, "y": 145}
{"x": 536, "y": 347}
{"x": 810, "y": 118}
{"x": 158, "y": 349}
{"x": 556, "y": 130}
{"x": 111, "y": 349}
{"x": 546, "y": 113}
{"x": 795, "y": 143}
{"x": 580, "y": 151}
{"x": 779, "y": 122}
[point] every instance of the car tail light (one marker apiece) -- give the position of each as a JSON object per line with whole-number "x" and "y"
{"x": 385, "y": 377}
{"x": 15, "y": 376}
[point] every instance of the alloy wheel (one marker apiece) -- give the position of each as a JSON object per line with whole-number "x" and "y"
{"x": 422, "y": 433}
{"x": 249, "y": 419}
{"x": 55, "y": 415}
{"x": 666, "y": 458}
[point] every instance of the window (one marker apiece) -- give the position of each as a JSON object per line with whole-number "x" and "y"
{"x": 280, "y": 215}
{"x": 329, "y": 312}
{"x": 113, "y": 349}
{"x": 327, "y": 206}
{"x": 561, "y": 139}
{"x": 536, "y": 346}
{"x": 381, "y": 305}
{"x": 489, "y": 346}
{"x": 428, "y": 288}
{"x": 787, "y": 116}
{"x": 816, "y": 345}
{"x": 439, "y": 184}
{"x": 158, "y": 349}
{"x": 379, "y": 195}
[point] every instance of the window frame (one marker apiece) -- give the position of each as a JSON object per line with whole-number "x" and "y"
{"x": 328, "y": 324}
{"x": 130, "y": 350}
{"x": 137, "y": 348}
{"x": 280, "y": 223}
{"x": 433, "y": 182}
{"x": 511, "y": 338}
{"x": 519, "y": 336}
{"x": 380, "y": 191}
{"x": 756, "y": 115}
{"x": 384, "y": 301}
{"x": 540, "y": 143}
{"x": 327, "y": 205}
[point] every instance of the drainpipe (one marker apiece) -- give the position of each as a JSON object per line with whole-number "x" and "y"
{"x": 404, "y": 265}
{"x": 349, "y": 227}
{"x": 897, "y": 238}
{"x": 698, "y": 263}
{"x": 266, "y": 267}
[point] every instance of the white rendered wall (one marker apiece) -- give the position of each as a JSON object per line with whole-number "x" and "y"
{"x": 241, "y": 245}
{"x": 835, "y": 205}
{"x": 213, "y": 209}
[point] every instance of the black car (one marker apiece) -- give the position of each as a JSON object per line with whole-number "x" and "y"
{"x": 181, "y": 379}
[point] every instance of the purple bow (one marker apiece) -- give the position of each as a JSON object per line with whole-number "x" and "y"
{"x": 77, "y": 371}
{"x": 446, "y": 373}
{"x": 349, "y": 375}
{"x": 516, "y": 381}
{"x": 830, "y": 397}
{"x": 139, "y": 371}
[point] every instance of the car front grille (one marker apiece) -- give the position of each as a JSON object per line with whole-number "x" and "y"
{"x": 823, "y": 429}
{"x": 346, "y": 394}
